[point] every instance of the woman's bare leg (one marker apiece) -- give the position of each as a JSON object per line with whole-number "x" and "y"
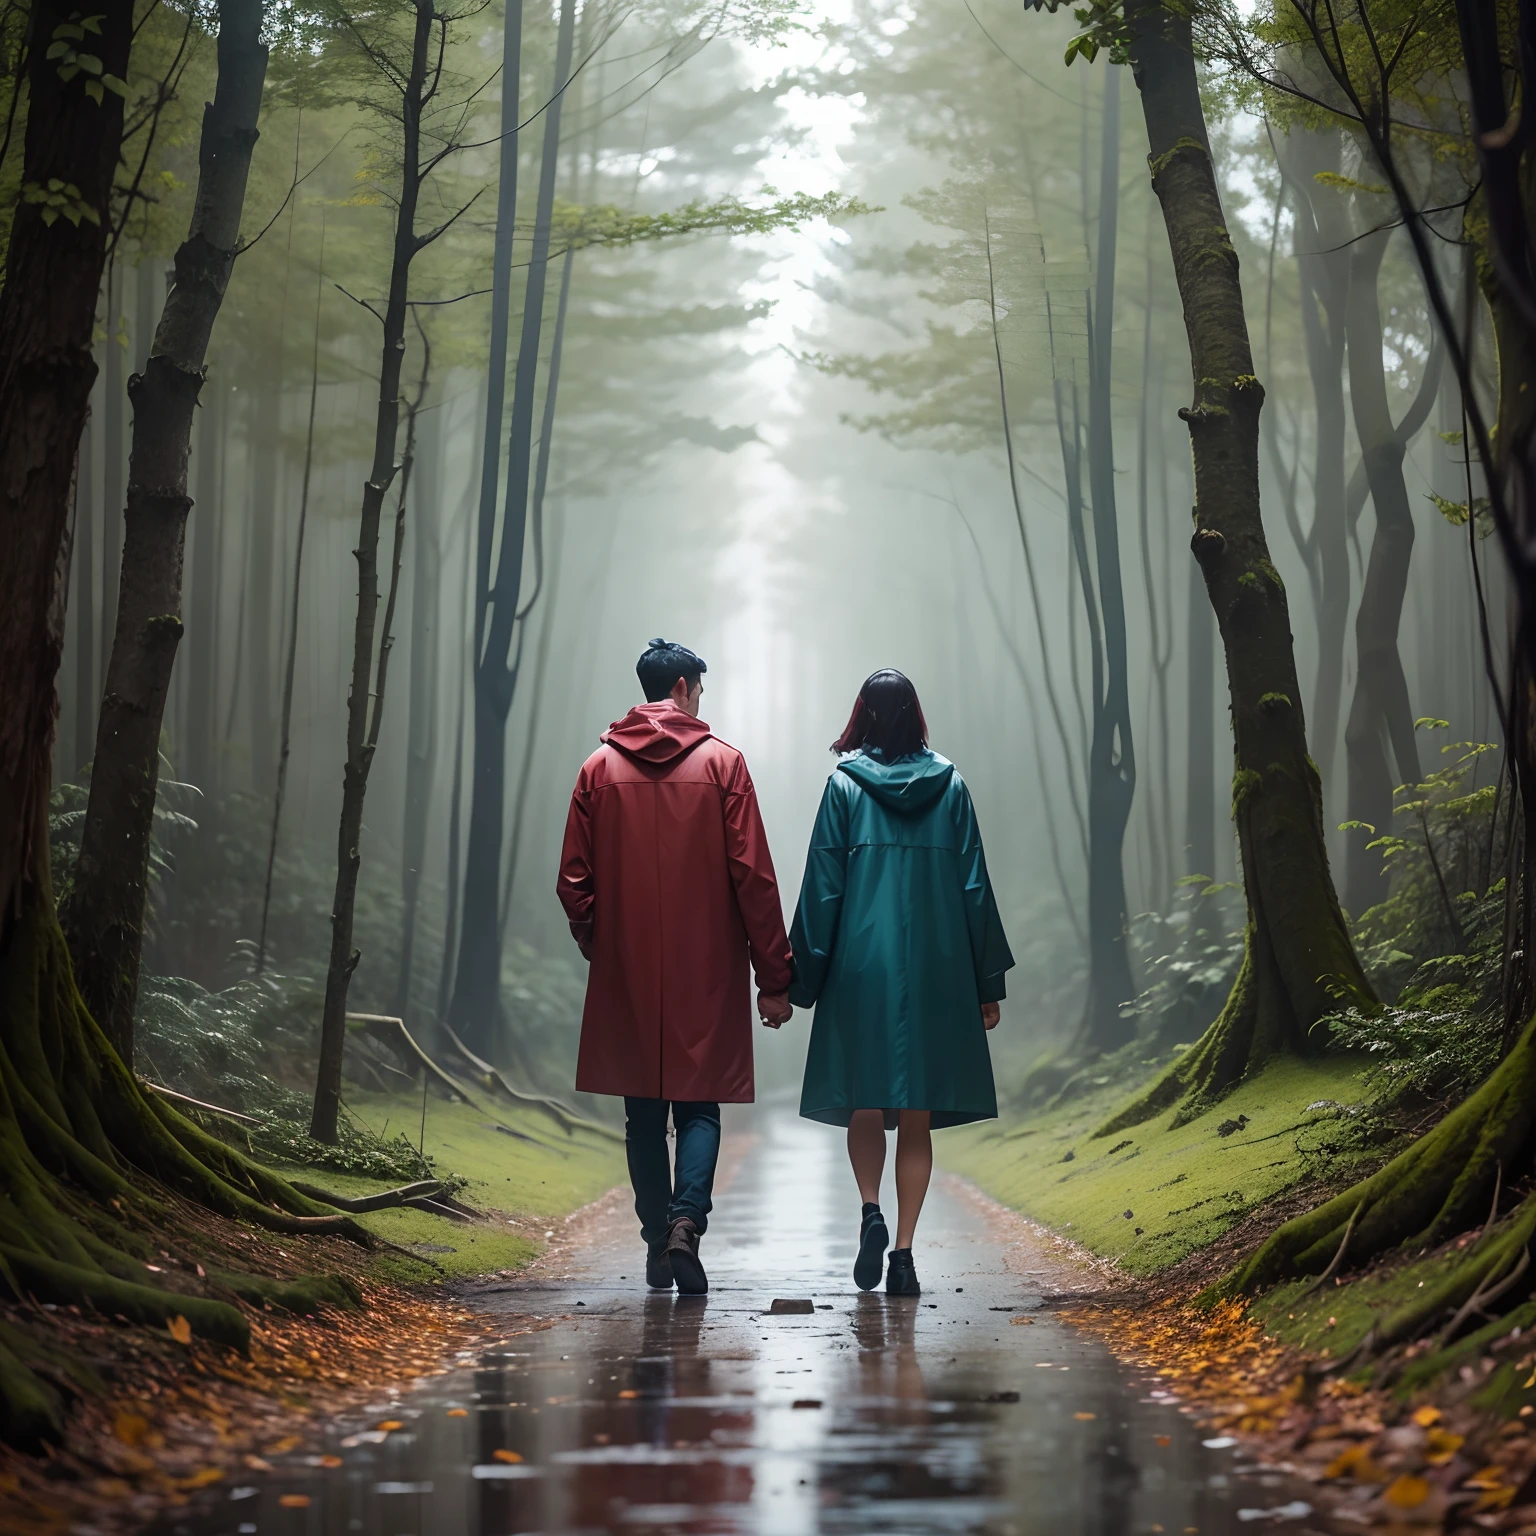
{"x": 914, "y": 1168}
{"x": 866, "y": 1151}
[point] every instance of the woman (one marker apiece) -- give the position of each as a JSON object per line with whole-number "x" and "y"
{"x": 898, "y": 943}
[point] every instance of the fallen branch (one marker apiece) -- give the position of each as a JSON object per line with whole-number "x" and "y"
{"x": 211, "y": 1109}
{"x": 384, "y": 1200}
{"x": 495, "y": 1081}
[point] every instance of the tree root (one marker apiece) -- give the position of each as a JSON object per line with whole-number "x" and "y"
{"x": 1431, "y": 1191}
{"x": 488, "y": 1077}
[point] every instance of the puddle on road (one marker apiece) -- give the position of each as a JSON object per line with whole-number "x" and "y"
{"x": 873, "y": 1415}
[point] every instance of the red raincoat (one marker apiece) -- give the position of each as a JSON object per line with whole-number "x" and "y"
{"x": 669, "y": 887}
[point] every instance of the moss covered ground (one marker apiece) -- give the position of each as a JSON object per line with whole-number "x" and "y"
{"x": 1150, "y": 1196}
{"x": 535, "y": 1176}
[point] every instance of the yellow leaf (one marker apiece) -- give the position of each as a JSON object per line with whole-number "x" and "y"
{"x": 1085, "y": 1416}
{"x": 204, "y": 1477}
{"x": 1406, "y": 1492}
{"x": 1441, "y": 1446}
{"x": 511, "y": 1458}
{"x": 1426, "y": 1416}
{"x": 180, "y": 1329}
{"x": 1488, "y": 1477}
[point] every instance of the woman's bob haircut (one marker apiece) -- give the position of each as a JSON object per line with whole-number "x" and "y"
{"x": 886, "y": 718}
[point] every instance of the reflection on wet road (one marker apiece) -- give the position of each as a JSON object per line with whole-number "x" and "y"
{"x": 647, "y": 1414}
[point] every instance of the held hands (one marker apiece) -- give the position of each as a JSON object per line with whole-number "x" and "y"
{"x": 774, "y": 1009}
{"x": 990, "y": 1014}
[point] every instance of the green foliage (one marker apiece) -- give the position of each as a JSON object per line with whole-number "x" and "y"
{"x": 1188, "y": 958}
{"x": 1432, "y": 1049}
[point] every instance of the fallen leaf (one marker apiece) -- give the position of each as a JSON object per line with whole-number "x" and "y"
{"x": 629, "y": 1392}
{"x": 1355, "y": 1461}
{"x": 1426, "y": 1416}
{"x": 1022, "y": 1322}
{"x": 1164, "y": 1439}
{"x": 130, "y": 1428}
{"x": 283, "y": 1446}
{"x": 202, "y": 1478}
{"x": 1488, "y": 1477}
{"x": 511, "y": 1458}
{"x": 1084, "y": 1417}
{"x": 390, "y": 1425}
{"x": 1406, "y": 1492}
{"x": 1441, "y": 1445}
{"x": 330, "y": 1461}
{"x": 180, "y": 1329}
{"x": 458, "y": 1413}
{"x": 294, "y": 1501}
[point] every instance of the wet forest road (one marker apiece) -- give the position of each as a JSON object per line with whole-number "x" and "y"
{"x": 649, "y": 1413}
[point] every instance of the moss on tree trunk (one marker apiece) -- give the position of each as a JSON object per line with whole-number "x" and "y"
{"x": 1298, "y": 961}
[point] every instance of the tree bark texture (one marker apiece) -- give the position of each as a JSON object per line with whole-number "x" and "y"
{"x": 1298, "y": 960}
{"x": 1200, "y": 733}
{"x": 1111, "y": 750}
{"x": 475, "y": 1012}
{"x": 104, "y": 916}
{"x": 360, "y": 735}
{"x": 47, "y": 312}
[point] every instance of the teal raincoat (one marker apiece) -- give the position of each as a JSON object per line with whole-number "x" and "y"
{"x": 897, "y": 943}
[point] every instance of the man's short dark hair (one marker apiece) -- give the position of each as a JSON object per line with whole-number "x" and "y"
{"x": 661, "y": 666}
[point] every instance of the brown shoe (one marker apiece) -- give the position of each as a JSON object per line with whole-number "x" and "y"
{"x": 683, "y": 1250}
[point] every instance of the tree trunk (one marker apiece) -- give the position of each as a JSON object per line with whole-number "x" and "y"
{"x": 104, "y": 917}
{"x": 1322, "y": 258}
{"x": 475, "y": 1011}
{"x": 262, "y": 600}
{"x": 83, "y": 568}
{"x": 1111, "y": 753}
{"x": 363, "y": 724}
{"x": 1380, "y": 712}
{"x": 202, "y": 622}
{"x": 1298, "y": 961}
{"x": 421, "y": 730}
{"x": 114, "y": 403}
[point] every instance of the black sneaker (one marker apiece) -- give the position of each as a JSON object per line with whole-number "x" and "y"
{"x": 874, "y": 1239}
{"x": 901, "y": 1277}
{"x": 658, "y": 1269}
{"x": 682, "y": 1252}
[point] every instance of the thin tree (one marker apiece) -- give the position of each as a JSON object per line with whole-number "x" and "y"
{"x": 475, "y": 1010}
{"x": 103, "y": 918}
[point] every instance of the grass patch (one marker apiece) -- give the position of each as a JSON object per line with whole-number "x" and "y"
{"x": 1150, "y": 1196}
{"x": 539, "y": 1175}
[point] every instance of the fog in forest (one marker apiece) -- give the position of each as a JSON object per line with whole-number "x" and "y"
{"x": 820, "y": 384}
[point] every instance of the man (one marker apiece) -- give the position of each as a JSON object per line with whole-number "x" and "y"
{"x": 669, "y": 888}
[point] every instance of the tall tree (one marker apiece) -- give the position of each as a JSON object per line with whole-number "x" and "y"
{"x": 1112, "y": 752}
{"x": 475, "y": 1010}
{"x": 104, "y": 916}
{"x": 1298, "y": 958}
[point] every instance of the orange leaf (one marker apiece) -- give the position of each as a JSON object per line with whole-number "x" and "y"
{"x": 390, "y": 1424}
{"x": 1022, "y": 1322}
{"x": 1164, "y": 1439}
{"x": 1084, "y": 1417}
{"x": 294, "y": 1501}
{"x": 202, "y": 1478}
{"x": 511, "y": 1458}
{"x": 283, "y": 1446}
{"x": 629, "y": 1392}
{"x": 330, "y": 1461}
{"x": 180, "y": 1329}
{"x": 130, "y": 1428}
{"x": 1406, "y": 1492}
{"x": 458, "y": 1413}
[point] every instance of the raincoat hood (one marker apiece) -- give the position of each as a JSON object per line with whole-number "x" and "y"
{"x": 907, "y": 786}
{"x": 656, "y": 733}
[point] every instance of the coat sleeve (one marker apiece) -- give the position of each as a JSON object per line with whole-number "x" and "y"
{"x": 821, "y": 896}
{"x": 757, "y": 891}
{"x": 989, "y": 945}
{"x": 576, "y": 889}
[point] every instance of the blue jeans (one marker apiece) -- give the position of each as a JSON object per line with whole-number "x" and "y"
{"x": 662, "y": 1197}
